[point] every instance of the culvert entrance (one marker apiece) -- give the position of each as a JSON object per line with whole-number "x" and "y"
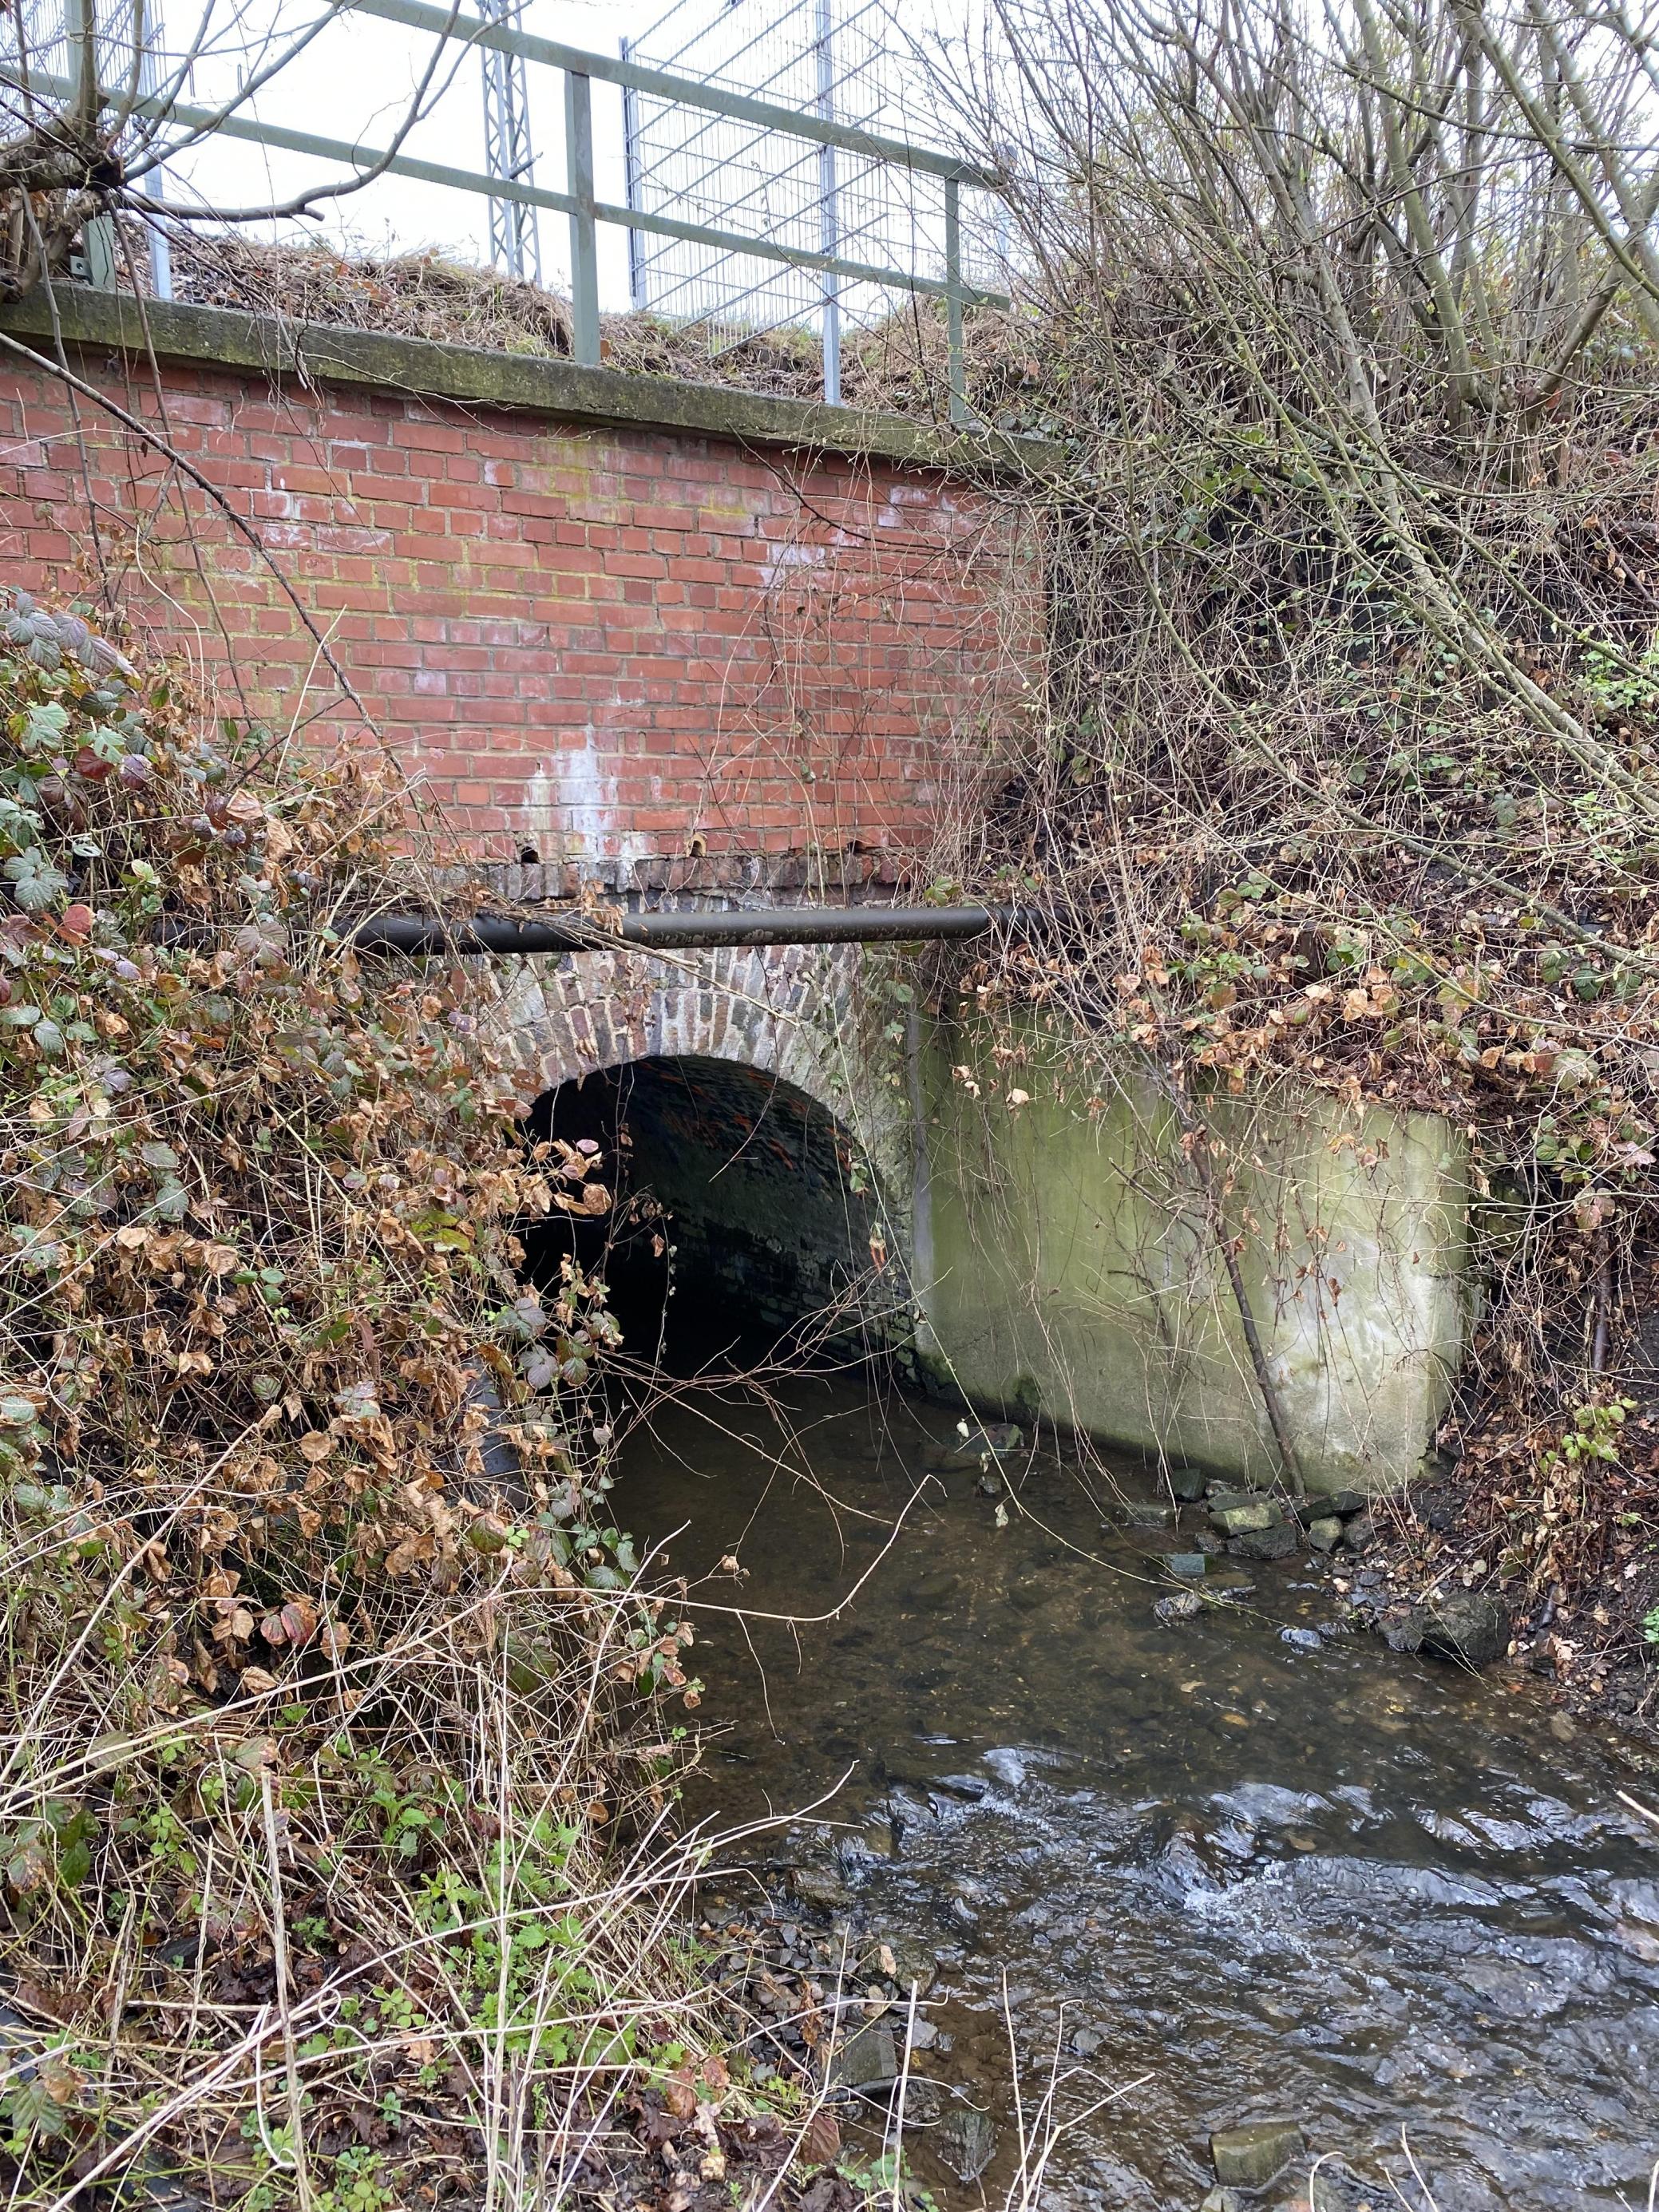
{"x": 743, "y": 1225}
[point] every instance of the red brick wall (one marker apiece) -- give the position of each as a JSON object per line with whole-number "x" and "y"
{"x": 599, "y": 643}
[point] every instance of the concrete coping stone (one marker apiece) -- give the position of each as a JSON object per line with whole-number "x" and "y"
{"x": 327, "y": 352}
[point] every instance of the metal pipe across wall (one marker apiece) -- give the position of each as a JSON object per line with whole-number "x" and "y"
{"x": 680, "y": 930}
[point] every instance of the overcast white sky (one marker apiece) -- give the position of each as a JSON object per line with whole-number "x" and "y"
{"x": 355, "y": 83}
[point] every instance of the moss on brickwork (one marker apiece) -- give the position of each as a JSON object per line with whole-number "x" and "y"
{"x": 223, "y": 337}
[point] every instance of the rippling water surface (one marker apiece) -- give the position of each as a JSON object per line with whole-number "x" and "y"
{"x": 1249, "y": 1876}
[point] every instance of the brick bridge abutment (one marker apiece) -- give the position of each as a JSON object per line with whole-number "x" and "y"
{"x": 660, "y": 644}
{"x": 671, "y": 644}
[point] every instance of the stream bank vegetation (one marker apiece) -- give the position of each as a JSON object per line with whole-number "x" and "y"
{"x": 1348, "y": 775}
{"x": 337, "y": 1864}
{"x": 337, "y": 1870}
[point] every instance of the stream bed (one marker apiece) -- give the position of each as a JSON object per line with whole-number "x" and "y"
{"x": 1227, "y": 1869}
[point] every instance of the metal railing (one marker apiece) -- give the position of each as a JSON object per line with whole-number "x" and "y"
{"x": 578, "y": 201}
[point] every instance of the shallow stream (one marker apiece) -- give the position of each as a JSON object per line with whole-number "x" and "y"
{"x": 1226, "y": 1872}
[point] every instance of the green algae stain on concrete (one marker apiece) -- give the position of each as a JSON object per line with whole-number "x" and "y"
{"x": 1071, "y": 1250}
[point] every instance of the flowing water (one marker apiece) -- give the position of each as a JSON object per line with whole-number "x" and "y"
{"x": 1228, "y": 1872}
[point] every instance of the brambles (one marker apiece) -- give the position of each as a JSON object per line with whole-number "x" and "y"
{"x": 319, "y": 1733}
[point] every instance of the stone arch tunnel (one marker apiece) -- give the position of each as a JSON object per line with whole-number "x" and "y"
{"x": 1016, "y": 1228}
{"x": 745, "y": 1222}
{"x": 759, "y": 1152}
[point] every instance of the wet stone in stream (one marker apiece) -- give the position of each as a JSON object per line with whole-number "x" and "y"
{"x": 1232, "y": 1876}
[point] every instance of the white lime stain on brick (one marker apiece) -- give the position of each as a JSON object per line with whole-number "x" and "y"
{"x": 571, "y": 809}
{"x": 794, "y": 554}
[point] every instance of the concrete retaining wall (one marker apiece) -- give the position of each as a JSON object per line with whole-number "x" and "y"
{"x": 1070, "y": 1265}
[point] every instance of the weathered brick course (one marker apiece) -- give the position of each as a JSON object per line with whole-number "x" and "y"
{"x": 592, "y": 641}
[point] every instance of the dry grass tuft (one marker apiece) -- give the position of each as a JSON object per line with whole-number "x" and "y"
{"x": 899, "y": 364}
{"x": 333, "y": 1789}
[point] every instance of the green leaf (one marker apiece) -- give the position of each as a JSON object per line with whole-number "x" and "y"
{"x": 45, "y": 728}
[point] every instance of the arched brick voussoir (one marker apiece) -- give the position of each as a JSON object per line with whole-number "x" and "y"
{"x": 796, "y": 1012}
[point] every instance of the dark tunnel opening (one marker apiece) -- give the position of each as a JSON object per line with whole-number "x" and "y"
{"x": 742, "y": 1225}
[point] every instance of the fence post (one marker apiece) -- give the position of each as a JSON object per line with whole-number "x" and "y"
{"x": 829, "y": 204}
{"x": 632, "y": 183}
{"x": 98, "y": 257}
{"x": 959, "y": 370}
{"x": 160, "y": 251}
{"x": 584, "y": 239}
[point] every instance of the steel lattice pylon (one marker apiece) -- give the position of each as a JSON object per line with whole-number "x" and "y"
{"x": 514, "y": 238}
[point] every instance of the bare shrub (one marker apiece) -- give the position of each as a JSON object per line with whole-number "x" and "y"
{"x": 1347, "y": 318}
{"x": 331, "y": 1790}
